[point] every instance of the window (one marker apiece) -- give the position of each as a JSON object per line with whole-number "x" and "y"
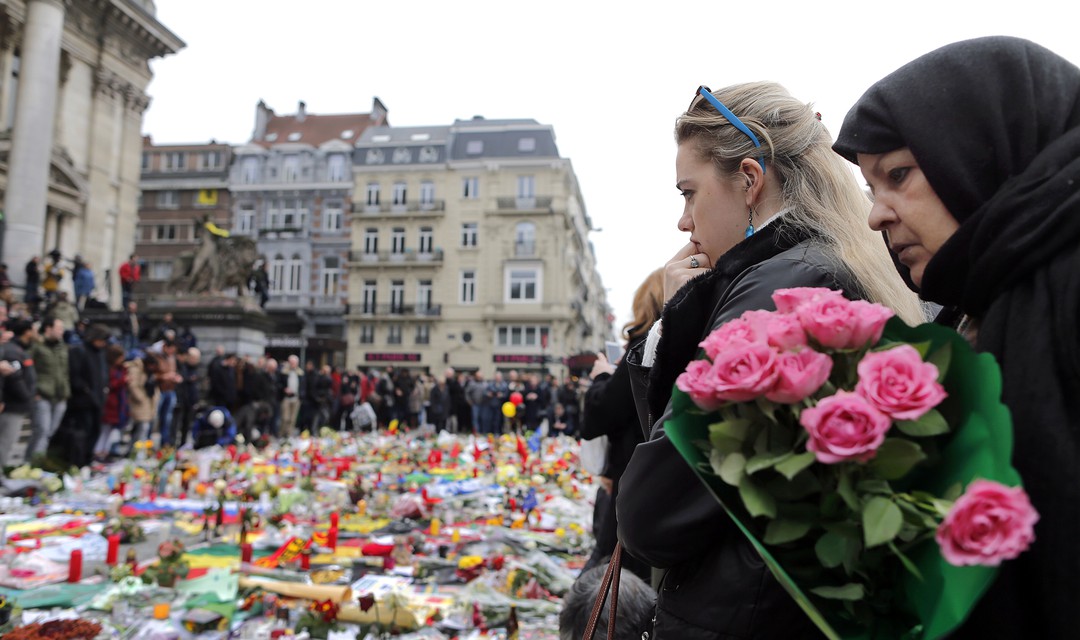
{"x": 249, "y": 170}
{"x": 293, "y": 213}
{"x": 294, "y": 274}
{"x": 530, "y": 336}
{"x": 423, "y": 296}
{"x": 375, "y": 156}
{"x": 525, "y": 239}
{"x": 211, "y": 160}
{"x": 277, "y": 273}
{"x": 393, "y": 334}
{"x": 469, "y": 232}
{"x": 402, "y": 156}
{"x": 474, "y": 147}
{"x": 335, "y": 167}
{"x": 397, "y": 240}
{"x": 145, "y": 162}
{"x": 526, "y": 145}
{"x": 423, "y": 334}
{"x": 168, "y": 199}
{"x": 523, "y": 284}
{"x": 245, "y": 217}
{"x": 427, "y": 193}
{"x": 367, "y": 334}
{"x": 470, "y": 188}
{"x": 397, "y": 296}
{"x": 373, "y": 194}
{"x": 367, "y": 297}
{"x": 329, "y": 284}
{"x": 160, "y": 270}
{"x": 273, "y": 214}
{"x": 399, "y": 194}
{"x": 426, "y": 240}
{"x": 290, "y": 168}
{"x": 526, "y": 187}
{"x": 429, "y": 154}
{"x": 166, "y": 233}
{"x": 468, "y": 287}
{"x": 332, "y": 215}
{"x": 175, "y": 161}
{"x": 371, "y": 241}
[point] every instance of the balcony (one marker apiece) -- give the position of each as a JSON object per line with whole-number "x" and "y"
{"x": 397, "y": 310}
{"x": 283, "y": 233}
{"x": 307, "y": 301}
{"x": 539, "y": 204}
{"x": 383, "y": 258}
{"x": 435, "y": 207}
{"x": 525, "y": 249}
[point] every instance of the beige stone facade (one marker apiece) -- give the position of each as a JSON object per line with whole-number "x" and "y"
{"x": 72, "y": 144}
{"x": 470, "y": 248}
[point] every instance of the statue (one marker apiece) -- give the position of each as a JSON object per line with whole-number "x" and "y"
{"x": 222, "y": 261}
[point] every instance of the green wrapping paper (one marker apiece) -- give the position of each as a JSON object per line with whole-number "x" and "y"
{"x": 979, "y": 446}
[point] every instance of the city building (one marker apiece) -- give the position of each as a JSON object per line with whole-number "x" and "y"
{"x": 470, "y": 248}
{"x": 182, "y": 185}
{"x": 73, "y": 76}
{"x": 292, "y": 189}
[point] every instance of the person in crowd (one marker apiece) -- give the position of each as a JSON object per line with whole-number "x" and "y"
{"x": 416, "y": 399}
{"x": 349, "y": 396}
{"x": 221, "y": 375}
{"x": 84, "y": 283}
{"x": 535, "y": 407}
{"x": 142, "y": 396}
{"x": 20, "y": 384}
{"x": 33, "y": 284}
{"x": 384, "y": 390}
{"x": 89, "y": 386}
{"x": 475, "y": 392}
{"x": 185, "y": 338}
{"x": 50, "y": 356}
{"x": 609, "y": 410}
{"x": 61, "y": 308}
{"x": 260, "y": 283}
{"x": 767, "y": 206}
{"x": 272, "y": 398}
{"x": 7, "y": 296}
{"x": 214, "y": 427}
{"x": 632, "y": 616}
{"x": 114, "y": 414}
{"x": 52, "y": 276}
{"x": 292, "y": 382}
{"x": 308, "y": 402}
{"x": 403, "y": 388}
{"x": 130, "y": 274}
{"x": 459, "y": 406}
{"x": 560, "y": 421}
{"x": 167, "y": 329}
{"x": 496, "y": 394}
{"x": 570, "y": 398}
{"x": 187, "y": 392}
{"x": 972, "y": 153}
{"x": 438, "y": 404}
{"x": 168, "y": 379}
{"x": 320, "y": 386}
{"x": 362, "y": 417}
{"x": 130, "y": 326}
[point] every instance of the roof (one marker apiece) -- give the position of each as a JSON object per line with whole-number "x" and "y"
{"x": 481, "y": 138}
{"x": 315, "y": 129}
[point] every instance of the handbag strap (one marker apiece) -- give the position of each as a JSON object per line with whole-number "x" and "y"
{"x": 610, "y": 582}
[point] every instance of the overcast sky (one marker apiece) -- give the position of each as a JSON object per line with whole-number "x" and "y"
{"x": 609, "y": 76}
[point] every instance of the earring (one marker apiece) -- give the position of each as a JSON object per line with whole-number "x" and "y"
{"x": 750, "y": 223}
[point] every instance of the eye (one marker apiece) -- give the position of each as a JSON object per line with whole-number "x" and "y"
{"x": 898, "y": 174}
{"x": 686, "y": 193}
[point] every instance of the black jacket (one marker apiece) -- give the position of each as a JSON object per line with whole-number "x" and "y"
{"x": 716, "y": 585}
{"x": 609, "y": 411}
{"x": 18, "y": 389}
{"x": 89, "y": 377}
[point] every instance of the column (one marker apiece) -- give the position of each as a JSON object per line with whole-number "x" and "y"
{"x": 32, "y": 135}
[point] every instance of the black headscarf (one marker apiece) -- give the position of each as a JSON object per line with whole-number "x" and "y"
{"x": 994, "y": 124}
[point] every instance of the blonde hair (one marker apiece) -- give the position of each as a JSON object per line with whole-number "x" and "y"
{"x": 647, "y": 305}
{"x": 818, "y": 190}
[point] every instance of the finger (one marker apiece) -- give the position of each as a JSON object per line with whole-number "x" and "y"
{"x": 684, "y": 253}
{"x": 702, "y": 261}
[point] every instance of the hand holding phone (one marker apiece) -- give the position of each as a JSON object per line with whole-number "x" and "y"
{"x": 613, "y": 351}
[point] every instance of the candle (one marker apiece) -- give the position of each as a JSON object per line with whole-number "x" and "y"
{"x": 361, "y": 508}
{"x": 113, "y": 555}
{"x": 331, "y": 535}
{"x": 455, "y": 537}
{"x": 435, "y": 526}
{"x": 305, "y": 560}
{"x": 75, "y": 567}
{"x": 378, "y": 478}
{"x": 245, "y": 553}
{"x": 161, "y": 611}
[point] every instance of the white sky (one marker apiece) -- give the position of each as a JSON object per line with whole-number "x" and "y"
{"x": 609, "y": 76}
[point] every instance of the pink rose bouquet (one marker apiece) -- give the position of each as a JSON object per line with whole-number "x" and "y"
{"x": 827, "y": 441}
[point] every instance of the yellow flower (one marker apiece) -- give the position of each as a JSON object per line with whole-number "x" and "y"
{"x": 468, "y": 562}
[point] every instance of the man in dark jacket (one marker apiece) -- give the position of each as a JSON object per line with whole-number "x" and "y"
{"x": 187, "y": 393}
{"x": 222, "y": 377}
{"x": 50, "y": 356}
{"x": 89, "y": 386}
{"x": 19, "y": 386}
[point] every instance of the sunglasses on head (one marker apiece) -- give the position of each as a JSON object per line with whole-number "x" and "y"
{"x": 705, "y": 92}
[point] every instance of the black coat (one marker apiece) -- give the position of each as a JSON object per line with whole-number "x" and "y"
{"x": 89, "y": 377}
{"x": 716, "y": 586}
{"x": 609, "y": 411}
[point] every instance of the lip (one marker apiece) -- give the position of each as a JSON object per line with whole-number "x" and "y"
{"x": 902, "y": 251}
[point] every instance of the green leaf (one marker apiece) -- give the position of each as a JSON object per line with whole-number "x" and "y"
{"x": 941, "y": 358}
{"x": 895, "y": 457}
{"x": 922, "y": 347}
{"x": 953, "y": 492}
{"x": 725, "y": 445}
{"x": 761, "y": 443}
{"x": 784, "y": 530}
{"x": 830, "y": 549}
{"x": 758, "y": 501}
{"x": 881, "y": 520}
{"x": 847, "y": 492}
{"x": 759, "y": 462}
{"x": 733, "y": 469}
{"x": 931, "y": 423}
{"x": 791, "y": 466}
{"x": 873, "y": 485}
{"x": 734, "y": 429}
{"x": 850, "y": 591}
{"x": 767, "y": 408}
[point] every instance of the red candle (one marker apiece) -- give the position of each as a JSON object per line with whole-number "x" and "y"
{"x": 121, "y": 489}
{"x": 305, "y": 561}
{"x": 331, "y": 535}
{"x": 378, "y": 478}
{"x": 113, "y": 555}
{"x": 245, "y": 553}
{"x": 75, "y": 568}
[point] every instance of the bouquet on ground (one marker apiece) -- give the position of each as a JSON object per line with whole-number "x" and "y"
{"x": 170, "y": 566}
{"x": 867, "y": 461}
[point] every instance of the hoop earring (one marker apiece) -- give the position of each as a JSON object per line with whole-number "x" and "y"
{"x": 750, "y": 223}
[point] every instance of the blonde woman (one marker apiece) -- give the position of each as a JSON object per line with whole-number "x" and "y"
{"x": 768, "y": 206}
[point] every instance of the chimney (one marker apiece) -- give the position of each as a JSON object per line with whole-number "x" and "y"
{"x": 378, "y": 113}
{"x": 301, "y": 111}
{"x": 263, "y": 114}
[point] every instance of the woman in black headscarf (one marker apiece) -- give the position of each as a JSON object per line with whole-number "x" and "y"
{"x": 973, "y": 155}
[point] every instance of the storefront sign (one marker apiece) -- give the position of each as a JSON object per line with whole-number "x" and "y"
{"x": 517, "y": 358}
{"x": 392, "y": 357}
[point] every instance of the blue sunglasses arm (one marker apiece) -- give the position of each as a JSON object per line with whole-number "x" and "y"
{"x": 734, "y": 120}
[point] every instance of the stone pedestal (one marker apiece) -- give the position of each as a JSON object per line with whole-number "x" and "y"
{"x": 238, "y": 325}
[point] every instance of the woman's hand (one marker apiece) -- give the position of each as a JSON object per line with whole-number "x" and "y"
{"x": 601, "y": 366}
{"x": 686, "y": 264}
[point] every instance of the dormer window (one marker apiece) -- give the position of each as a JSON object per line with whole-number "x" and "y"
{"x": 294, "y": 136}
{"x": 375, "y": 156}
{"x": 526, "y": 145}
{"x": 402, "y": 156}
{"x": 474, "y": 147}
{"x": 428, "y": 154}
{"x": 270, "y": 137}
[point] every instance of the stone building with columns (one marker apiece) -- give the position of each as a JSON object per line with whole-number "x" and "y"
{"x": 73, "y": 78}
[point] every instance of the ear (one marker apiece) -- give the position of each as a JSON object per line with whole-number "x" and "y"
{"x": 755, "y": 178}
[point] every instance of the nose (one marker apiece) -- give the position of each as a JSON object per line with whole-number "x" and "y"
{"x": 686, "y": 222}
{"x": 881, "y": 215}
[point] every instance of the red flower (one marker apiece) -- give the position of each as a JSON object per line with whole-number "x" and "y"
{"x": 367, "y": 602}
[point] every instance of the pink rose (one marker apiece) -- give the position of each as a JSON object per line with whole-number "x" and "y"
{"x": 844, "y": 427}
{"x": 785, "y": 332}
{"x": 838, "y": 323}
{"x": 988, "y": 524}
{"x": 749, "y": 327}
{"x": 698, "y": 382}
{"x": 799, "y": 374}
{"x": 899, "y": 384}
{"x": 744, "y": 372}
{"x": 789, "y": 300}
